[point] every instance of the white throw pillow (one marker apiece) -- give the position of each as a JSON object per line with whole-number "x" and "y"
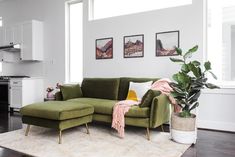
{"x": 137, "y": 90}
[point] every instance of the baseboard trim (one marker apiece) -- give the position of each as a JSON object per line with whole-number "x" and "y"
{"x": 212, "y": 125}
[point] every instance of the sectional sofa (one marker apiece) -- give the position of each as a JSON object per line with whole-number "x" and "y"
{"x": 97, "y": 96}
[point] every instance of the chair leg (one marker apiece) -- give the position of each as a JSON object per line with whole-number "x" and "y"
{"x": 27, "y": 130}
{"x": 162, "y": 128}
{"x": 148, "y": 134}
{"x": 60, "y": 137}
{"x": 87, "y": 129}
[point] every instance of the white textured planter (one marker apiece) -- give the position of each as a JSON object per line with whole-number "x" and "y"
{"x": 183, "y": 130}
{"x": 184, "y": 137}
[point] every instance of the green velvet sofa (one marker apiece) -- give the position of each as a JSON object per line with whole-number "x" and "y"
{"x": 95, "y": 103}
{"x": 103, "y": 93}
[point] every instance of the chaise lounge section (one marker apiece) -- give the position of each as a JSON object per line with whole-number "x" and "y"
{"x": 57, "y": 115}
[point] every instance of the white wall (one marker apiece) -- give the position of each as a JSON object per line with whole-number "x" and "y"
{"x": 233, "y": 52}
{"x": 185, "y": 19}
{"x": 216, "y": 110}
{"x": 52, "y": 13}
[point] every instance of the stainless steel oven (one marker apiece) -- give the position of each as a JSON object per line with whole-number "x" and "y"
{"x": 4, "y": 95}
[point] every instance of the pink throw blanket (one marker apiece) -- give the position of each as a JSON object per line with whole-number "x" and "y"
{"x": 119, "y": 110}
{"x": 163, "y": 86}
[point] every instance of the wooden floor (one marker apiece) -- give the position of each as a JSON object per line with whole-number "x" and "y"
{"x": 209, "y": 143}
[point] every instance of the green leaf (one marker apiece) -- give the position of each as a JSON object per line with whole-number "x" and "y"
{"x": 194, "y": 69}
{"x": 183, "y": 80}
{"x": 202, "y": 80}
{"x": 207, "y": 65}
{"x": 193, "y": 92}
{"x": 196, "y": 63}
{"x": 178, "y": 50}
{"x": 176, "y": 60}
{"x": 211, "y": 86}
{"x": 176, "y": 94}
{"x": 194, "y": 49}
{"x": 185, "y": 68}
{"x": 194, "y": 106}
{"x": 175, "y": 77}
{"x": 190, "y": 52}
{"x": 185, "y": 114}
{"x": 195, "y": 96}
{"x": 213, "y": 75}
{"x": 179, "y": 91}
{"x": 199, "y": 71}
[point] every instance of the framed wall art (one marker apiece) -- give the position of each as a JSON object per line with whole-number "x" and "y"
{"x": 166, "y": 43}
{"x": 104, "y": 48}
{"x": 133, "y": 46}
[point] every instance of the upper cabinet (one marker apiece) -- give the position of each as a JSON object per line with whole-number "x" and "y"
{"x": 30, "y": 37}
{"x": 17, "y": 34}
{"x": 32, "y": 41}
{"x": 10, "y": 35}
{"x": 2, "y": 36}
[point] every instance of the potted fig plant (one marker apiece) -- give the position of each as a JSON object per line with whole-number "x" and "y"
{"x": 187, "y": 86}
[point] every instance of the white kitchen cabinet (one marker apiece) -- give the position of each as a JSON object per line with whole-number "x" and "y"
{"x": 13, "y": 35}
{"x": 25, "y": 91}
{"x": 9, "y": 56}
{"x": 17, "y": 34}
{"x": 9, "y": 35}
{"x": 2, "y": 36}
{"x": 16, "y": 95}
{"x": 32, "y": 41}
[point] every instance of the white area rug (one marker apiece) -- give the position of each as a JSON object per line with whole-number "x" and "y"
{"x": 102, "y": 142}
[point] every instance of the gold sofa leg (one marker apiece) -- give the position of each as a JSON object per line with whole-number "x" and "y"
{"x": 27, "y": 130}
{"x": 60, "y": 137}
{"x": 162, "y": 128}
{"x": 148, "y": 134}
{"x": 87, "y": 129}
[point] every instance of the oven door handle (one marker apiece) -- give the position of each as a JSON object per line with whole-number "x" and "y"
{"x": 4, "y": 83}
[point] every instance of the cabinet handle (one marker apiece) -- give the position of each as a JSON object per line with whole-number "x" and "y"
{"x": 20, "y": 58}
{"x": 15, "y": 82}
{"x": 2, "y": 59}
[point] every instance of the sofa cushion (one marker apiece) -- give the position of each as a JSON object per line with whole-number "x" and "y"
{"x": 104, "y": 106}
{"x": 103, "y": 88}
{"x": 58, "y": 96}
{"x": 137, "y": 90}
{"x": 57, "y": 110}
{"x": 148, "y": 98}
{"x": 71, "y": 91}
{"x": 124, "y": 85}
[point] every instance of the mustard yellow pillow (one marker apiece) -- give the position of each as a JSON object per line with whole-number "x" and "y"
{"x": 137, "y": 90}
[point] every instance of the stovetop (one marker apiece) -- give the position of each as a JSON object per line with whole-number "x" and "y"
{"x": 9, "y": 77}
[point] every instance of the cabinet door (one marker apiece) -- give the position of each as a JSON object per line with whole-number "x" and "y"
{"x": 9, "y": 56}
{"x": 26, "y": 50}
{"x": 17, "y": 32}
{"x": 9, "y": 35}
{"x": 16, "y": 97}
{"x": 2, "y": 36}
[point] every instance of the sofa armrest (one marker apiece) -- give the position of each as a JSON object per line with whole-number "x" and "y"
{"x": 160, "y": 111}
{"x": 58, "y": 96}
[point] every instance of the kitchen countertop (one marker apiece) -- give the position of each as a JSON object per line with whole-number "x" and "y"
{"x": 26, "y": 78}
